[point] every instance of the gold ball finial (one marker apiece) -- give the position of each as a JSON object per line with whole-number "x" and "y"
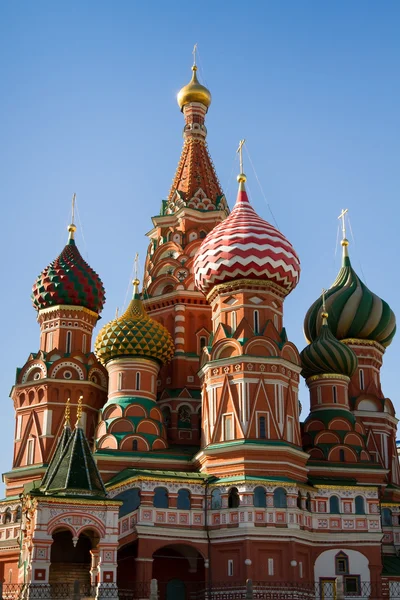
{"x": 324, "y": 315}
{"x": 136, "y": 281}
{"x": 241, "y": 178}
{"x": 71, "y": 230}
{"x": 345, "y": 242}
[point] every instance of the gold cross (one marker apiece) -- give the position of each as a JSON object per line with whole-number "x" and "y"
{"x": 323, "y": 299}
{"x": 194, "y": 54}
{"x": 341, "y": 216}
{"x": 240, "y": 152}
{"x": 73, "y": 208}
{"x": 136, "y": 264}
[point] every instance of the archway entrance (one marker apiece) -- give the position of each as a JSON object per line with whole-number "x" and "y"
{"x": 71, "y": 563}
{"x": 179, "y": 569}
{"x": 126, "y": 558}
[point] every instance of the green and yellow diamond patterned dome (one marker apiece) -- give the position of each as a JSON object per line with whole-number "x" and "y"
{"x": 134, "y": 334}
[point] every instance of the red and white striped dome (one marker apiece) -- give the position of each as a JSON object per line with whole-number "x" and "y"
{"x": 244, "y": 246}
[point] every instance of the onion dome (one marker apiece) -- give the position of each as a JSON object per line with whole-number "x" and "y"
{"x": 246, "y": 246}
{"x": 134, "y": 334}
{"x": 194, "y": 92}
{"x": 354, "y": 311}
{"x": 69, "y": 280}
{"x": 326, "y": 355}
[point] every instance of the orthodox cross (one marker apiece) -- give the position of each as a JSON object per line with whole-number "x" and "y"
{"x": 341, "y": 216}
{"x": 240, "y": 152}
{"x": 73, "y": 207}
{"x": 323, "y": 299}
{"x": 194, "y": 54}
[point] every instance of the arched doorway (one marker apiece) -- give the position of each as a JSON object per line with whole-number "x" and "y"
{"x": 126, "y": 558}
{"x": 179, "y": 569}
{"x": 69, "y": 562}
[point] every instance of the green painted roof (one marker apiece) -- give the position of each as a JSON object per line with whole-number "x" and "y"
{"x": 327, "y": 355}
{"x": 326, "y": 415}
{"x": 153, "y": 474}
{"x": 73, "y": 470}
{"x": 391, "y": 565}
{"x": 61, "y": 444}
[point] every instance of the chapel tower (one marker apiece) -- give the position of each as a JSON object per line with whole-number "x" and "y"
{"x": 195, "y": 204}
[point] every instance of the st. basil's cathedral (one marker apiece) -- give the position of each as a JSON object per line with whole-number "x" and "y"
{"x": 170, "y": 448}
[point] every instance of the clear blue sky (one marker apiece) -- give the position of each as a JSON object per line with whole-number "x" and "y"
{"x": 88, "y": 105}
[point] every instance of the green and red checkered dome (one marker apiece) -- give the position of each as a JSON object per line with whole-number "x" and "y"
{"x": 70, "y": 281}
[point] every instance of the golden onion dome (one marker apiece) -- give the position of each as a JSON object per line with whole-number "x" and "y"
{"x": 194, "y": 92}
{"x": 134, "y": 334}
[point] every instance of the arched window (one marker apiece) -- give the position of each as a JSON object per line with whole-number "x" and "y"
{"x": 387, "y": 517}
{"x": 308, "y": 502}
{"x": 260, "y": 497}
{"x": 160, "y": 498}
{"x": 184, "y": 417}
{"x": 334, "y": 505}
{"x": 299, "y": 500}
{"x": 130, "y": 499}
{"x": 262, "y": 427}
{"x": 360, "y": 505}
{"x": 233, "y": 498}
{"x": 18, "y": 514}
{"x": 280, "y": 498}
{"x": 202, "y": 235}
{"x": 183, "y": 502}
{"x": 203, "y": 342}
{"x": 166, "y": 413}
{"x": 341, "y": 563}
{"x": 134, "y": 445}
{"x": 216, "y": 502}
{"x": 68, "y": 342}
{"x": 256, "y": 316}
{"x": 138, "y": 380}
{"x": 7, "y": 515}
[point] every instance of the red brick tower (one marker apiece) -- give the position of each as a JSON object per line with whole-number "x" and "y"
{"x": 195, "y": 204}
{"x": 68, "y": 296}
{"x": 250, "y": 371}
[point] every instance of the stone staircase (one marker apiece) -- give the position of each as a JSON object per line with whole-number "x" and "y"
{"x": 68, "y": 573}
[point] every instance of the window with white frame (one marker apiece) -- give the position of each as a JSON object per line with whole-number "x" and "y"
{"x": 68, "y": 342}
{"x": 270, "y": 566}
{"x": 228, "y": 427}
{"x": 30, "y": 452}
{"x": 230, "y": 567}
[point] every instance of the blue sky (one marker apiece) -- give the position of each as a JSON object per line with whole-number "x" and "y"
{"x": 88, "y": 105}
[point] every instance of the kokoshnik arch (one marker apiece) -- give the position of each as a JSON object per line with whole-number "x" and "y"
{"x": 188, "y": 460}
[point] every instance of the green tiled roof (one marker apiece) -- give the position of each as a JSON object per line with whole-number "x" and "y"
{"x": 73, "y": 470}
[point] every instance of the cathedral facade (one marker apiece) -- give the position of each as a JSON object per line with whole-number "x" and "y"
{"x": 171, "y": 447}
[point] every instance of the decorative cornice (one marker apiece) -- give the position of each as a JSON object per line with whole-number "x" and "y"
{"x": 358, "y": 342}
{"x": 252, "y": 284}
{"x": 335, "y": 376}
{"x": 66, "y": 307}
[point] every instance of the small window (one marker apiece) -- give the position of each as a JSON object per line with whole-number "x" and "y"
{"x": 7, "y": 515}
{"x": 30, "y": 453}
{"x": 341, "y": 563}
{"x": 138, "y": 380}
{"x": 184, "y": 417}
{"x": 233, "y": 320}
{"x": 334, "y": 505}
{"x": 260, "y": 497}
{"x": 256, "y": 317}
{"x": 361, "y": 376}
{"x": 134, "y": 445}
{"x": 120, "y": 375}
{"x": 84, "y": 338}
{"x": 299, "y": 500}
{"x": 216, "y": 501}
{"x": 18, "y": 514}
{"x": 68, "y": 342}
{"x": 270, "y": 566}
{"x": 301, "y": 570}
{"x": 341, "y": 455}
{"x": 202, "y": 235}
{"x": 262, "y": 427}
{"x": 387, "y": 517}
{"x": 319, "y": 395}
{"x": 228, "y": 428}
{"x": 183, "y": 501}
{"x": 50, "y": 341}
{"x": 230, "y": 568}
{"x": 334, "y": 394}
{"x": 233, "y": 498}
{"x": 280, "y": 498}
{"x": 308, "y": 502}
{"x": 352, "y": 585}
{"x": 160, "y": 499}
{"x": 203, "y": 342}
{"x": 360, "y": 505}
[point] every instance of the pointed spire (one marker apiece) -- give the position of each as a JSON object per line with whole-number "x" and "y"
{"x": 72, "y": 226}
{"x": 79, "y": 412}
{"x": 61, "y": 444}
{"x": 72, "y": 470}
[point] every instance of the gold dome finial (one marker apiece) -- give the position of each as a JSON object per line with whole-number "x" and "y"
{"x": 194, "y": 91}
{"x": 324, "y": 314}
{"x": 345, "y": 241}
{"x": 79, "y": 412}
{"x": 67, "y": 413}
{"x": 72, "y": 226}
